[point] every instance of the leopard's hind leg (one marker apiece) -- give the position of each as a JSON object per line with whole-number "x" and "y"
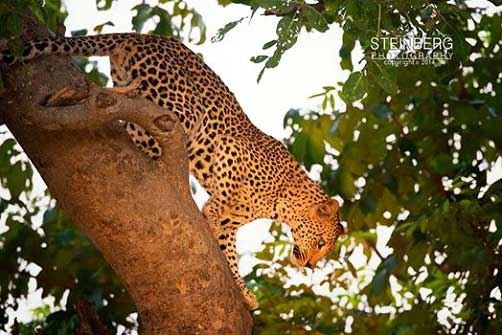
{"x": 228, "y": 207}
{"x": 224, "y": 225}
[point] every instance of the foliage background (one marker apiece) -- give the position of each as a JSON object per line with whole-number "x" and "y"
{"x": 410, "y": 151}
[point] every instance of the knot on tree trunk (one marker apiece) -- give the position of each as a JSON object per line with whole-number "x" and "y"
{"x": 105, "y": 101}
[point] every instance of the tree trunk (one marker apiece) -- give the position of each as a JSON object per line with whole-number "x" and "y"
{"x": 138, "y": 212}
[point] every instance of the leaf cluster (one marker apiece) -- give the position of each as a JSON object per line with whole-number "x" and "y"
{"x": 411, "y": 151}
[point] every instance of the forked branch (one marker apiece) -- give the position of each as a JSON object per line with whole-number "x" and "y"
{"x": 93, "y": 108}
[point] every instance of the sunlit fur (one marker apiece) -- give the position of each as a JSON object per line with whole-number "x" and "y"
{"x": 248, "y": 174}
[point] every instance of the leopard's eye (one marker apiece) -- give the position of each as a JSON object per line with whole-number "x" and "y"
{"x": 321, "y": 243}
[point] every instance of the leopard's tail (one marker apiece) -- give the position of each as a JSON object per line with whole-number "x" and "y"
{"x": 96, "y": 45}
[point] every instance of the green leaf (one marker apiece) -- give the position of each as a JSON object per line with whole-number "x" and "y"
{"x": 260, "y": 75}
{"x": 274, "y": 60}
{"x": 104, "y": 4}
{"x": 258, "y": 59}
{"x": 54, "y": 13}
{"x": 354, "y": 88}
{"x": 348, "y": 40}
{"x": 381, "y": 279}
{"x": 277, "y": 6}
{"x": 220, "y": 34}
{"x": 269, "y": 44}
{"x": 299, "y": 147}
{"x": 93, "y": 73}
{"x": 198, "y": 22}
{"x": 316, "y": 146}
{"x": 287, "y": 30}
{"x": 385, "y": 76}
{"x": 18, "y": 179}
{"x": 220, "y": 2}
{"x": 313, "y": 18}
{"x": 165, "y": 25}
{"x": 143, "y": 13}
{"x": 99, "y": 28}
{"x": 292, "y": 115}
{"x": 81, "y": 32}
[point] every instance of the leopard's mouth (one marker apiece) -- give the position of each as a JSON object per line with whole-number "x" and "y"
{"x": 299, "y": 258}
{"x": 296, "y": 251}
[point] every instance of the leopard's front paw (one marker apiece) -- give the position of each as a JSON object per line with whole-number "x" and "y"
{"x": 250, "y": 300}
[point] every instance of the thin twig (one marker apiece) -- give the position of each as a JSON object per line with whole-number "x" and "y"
{"x": 379, "y": 20}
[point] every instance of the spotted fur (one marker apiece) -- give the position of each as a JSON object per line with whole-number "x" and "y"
{"x": 248, "y": 174}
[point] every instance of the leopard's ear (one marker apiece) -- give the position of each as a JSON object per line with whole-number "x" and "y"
{"x": 328, "y": 209}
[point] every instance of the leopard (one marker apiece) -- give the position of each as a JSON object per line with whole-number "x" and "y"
{"x": 247, "y": 174}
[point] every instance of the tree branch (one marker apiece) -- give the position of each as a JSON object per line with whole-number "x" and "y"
{"x": 75, "y": 108}
{"x": 89, "y": 320}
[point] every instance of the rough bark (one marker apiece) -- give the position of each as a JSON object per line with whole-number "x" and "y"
{"x": 139, "y": 213}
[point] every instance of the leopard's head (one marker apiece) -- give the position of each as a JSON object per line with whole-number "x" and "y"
{"x": 315, "y": 233}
